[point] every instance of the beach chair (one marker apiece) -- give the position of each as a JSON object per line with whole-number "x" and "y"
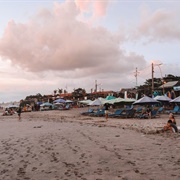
{"x": 160, "y": 110}
{"x": 139, "y": 110}
{"x": 128, "y": 114}
{"x": 154, "y": 113}
{"x": 67, "y": 107}
{"x": 175, "y": 110}
{"x": 178, "y": 112}
{"x": 98, "y": 113}
{"x": 116, "y": 113}
{"x": 143, "y": 116}
{"x": 88, "y": 112}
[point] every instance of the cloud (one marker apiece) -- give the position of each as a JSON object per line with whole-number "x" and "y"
{"x": 55, "y": 40}
{"x": 161, "y": 25}
{"x": 96, "y": 8}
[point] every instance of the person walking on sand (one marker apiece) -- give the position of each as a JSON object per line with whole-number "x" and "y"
{"x": 106, "y": 108}
{"x": 19, "y": 113}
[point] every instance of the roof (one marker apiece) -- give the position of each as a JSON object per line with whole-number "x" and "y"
{"x": 103, "y": 92}
{"x": 168, "y": 84}
{"x": 130, "y": 90}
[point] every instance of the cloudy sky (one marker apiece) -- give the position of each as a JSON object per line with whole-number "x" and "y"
{"x": 46, "y": 44}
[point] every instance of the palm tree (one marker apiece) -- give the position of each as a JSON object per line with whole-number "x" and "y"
{"x": 60, "y": 91}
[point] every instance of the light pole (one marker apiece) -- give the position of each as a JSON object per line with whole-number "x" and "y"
{"x": 96, "y": 85}
{"x": 153, "y": 76}
{"x": 152, "y": 79}
{"x": 161, "y": 77}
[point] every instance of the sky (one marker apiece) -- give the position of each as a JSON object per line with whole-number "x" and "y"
{"x": 67, "y": 44}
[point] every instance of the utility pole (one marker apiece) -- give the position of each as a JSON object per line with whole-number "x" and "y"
{"x": 95, "y": 86}
{"x": 136, "y": 74}
{"x": 152, "y": 78}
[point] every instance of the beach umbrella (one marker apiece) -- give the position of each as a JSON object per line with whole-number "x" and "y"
{"x": 124, "y": 101}
{"x": 145, "y": 100}
{"x": 110, "y": 97}
{"x": 163, "y": 98}
{"x": 104, "y": 101}
{"x": 96, "y": 102}
{"x": 85, "y": 101}
{"x": 69, "y": 101}
{"x": 111, "y": 101}
{"x": 46, "y": 104}
{"x": 39, "y": 103}
{"x": 118, "y": 100}
{"x": 12, "y": 106}
{"x": 59, "y": 101}
{"x": 128, "y": 100}
{"x": 176, "y": 100}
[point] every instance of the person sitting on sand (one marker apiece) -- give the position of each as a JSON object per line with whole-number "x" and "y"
{"x": 147, "y": 112}
{"x": 170, "y": 126}
{"x": 5, "y": 113}
{"x": 172, "y": 118}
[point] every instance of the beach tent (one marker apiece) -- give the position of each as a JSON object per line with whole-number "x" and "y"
{"x": 163, "y": 98}
{"x": 176, "y": 100}
{"x": 96, "y": 102}
{"x": 145, "y": 100}
{"x": 59, "y": 101}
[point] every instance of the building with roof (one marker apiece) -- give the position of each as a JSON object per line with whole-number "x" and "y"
{"x": 171, "y": 86}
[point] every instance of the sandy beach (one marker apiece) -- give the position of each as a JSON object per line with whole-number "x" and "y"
{"x": 64, "y": 145}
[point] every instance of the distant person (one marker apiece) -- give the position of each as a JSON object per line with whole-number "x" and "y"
{"x": 106, "y": 108}
{"x": 19, "y": 113}
{"x": 172, "y": 94}
{"x": 170, "y": 126}
{"x": 172, "y": 118}
{"x": 5, "y": 113}
{"x": 147, "y": 112}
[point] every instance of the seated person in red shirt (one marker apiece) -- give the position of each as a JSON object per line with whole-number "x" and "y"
{"x": 170, "y": 126}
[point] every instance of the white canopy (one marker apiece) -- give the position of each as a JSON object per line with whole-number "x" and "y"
{"x": 96, "y": 102}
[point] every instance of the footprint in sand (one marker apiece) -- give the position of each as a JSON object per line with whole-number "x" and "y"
{"x": 34, "y": 168}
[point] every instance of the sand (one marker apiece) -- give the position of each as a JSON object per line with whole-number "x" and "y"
{"x": 64, "y": 145}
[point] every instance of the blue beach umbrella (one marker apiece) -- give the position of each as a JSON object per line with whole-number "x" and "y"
{"x": 46, "y": 104}
{"x": 59, "y": 101}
